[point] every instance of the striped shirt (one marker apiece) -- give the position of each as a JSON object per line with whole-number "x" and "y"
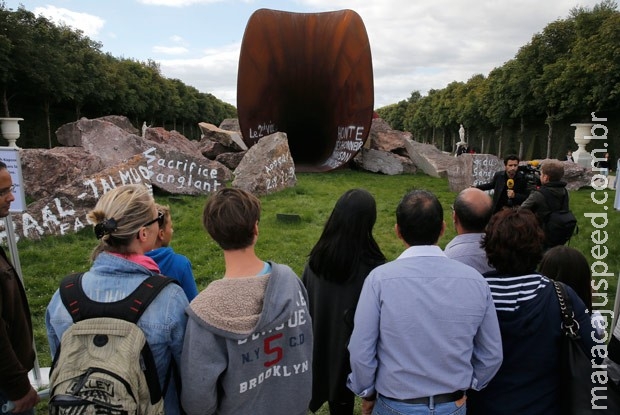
{"x": 510, "y": 292}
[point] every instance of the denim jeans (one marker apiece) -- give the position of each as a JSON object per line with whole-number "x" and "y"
{"x": 4, "y": 400}
{"x": 387, "y": 406}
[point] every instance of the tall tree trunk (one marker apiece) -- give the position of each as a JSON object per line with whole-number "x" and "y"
{"x": 501, "y": 140}
{"x": 46, "y": 110}
{"x": 521, "y": 134}
{"x": 549, "y": 133}
{"x": 5, "y": 104}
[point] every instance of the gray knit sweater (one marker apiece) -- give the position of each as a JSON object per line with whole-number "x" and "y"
{"x": 248, "y": 347}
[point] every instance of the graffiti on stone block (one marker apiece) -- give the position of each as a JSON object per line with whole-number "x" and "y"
{"x": 175, "y": 174}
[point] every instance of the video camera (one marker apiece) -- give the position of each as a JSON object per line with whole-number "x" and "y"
{"x": 531, "y": 173}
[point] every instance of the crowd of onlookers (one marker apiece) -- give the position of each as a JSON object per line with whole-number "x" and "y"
{"x": 474, "y": 328}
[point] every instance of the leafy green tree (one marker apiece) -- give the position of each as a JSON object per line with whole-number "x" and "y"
{"x": 17, "y": 46}
{"x": 497, "y": 103}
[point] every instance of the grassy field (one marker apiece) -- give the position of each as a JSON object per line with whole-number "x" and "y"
{"x": 45, "y": 262}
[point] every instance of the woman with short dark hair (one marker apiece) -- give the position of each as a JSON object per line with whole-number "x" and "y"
{"x": 528, "y": 311}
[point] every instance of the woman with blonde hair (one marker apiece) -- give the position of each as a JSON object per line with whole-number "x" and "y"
{"x": 126, "y": 223}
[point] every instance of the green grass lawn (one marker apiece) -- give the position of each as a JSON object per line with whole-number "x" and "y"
{"x": 45, "y": 262}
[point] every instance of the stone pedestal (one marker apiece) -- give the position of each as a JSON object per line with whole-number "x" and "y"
{"x": 583, "y": 135}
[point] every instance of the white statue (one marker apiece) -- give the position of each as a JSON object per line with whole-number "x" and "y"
{"x": 144, "y": 127}
{"x": 462, "y": 134}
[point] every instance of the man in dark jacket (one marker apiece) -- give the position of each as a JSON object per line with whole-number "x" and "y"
{"x": 16, "y": 345}
{"x": 509, "y": 186}
{"x": 552, "y": 172}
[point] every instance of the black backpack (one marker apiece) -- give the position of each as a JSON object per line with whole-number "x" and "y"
{"x": 560, "y": 224}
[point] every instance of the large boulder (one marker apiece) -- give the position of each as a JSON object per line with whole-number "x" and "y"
{"x": 475, "y": 169}
{"x": 472, "y": 170}
{"x": 172, "y": 139}
{"x": 383, "y": 138}
{"x": 267, "y": 167}
{"x": 378, "y": 161}
{"x": 227, "y": 138}
{"x": 102, "y": 138}
{"x": 231, "y": 160}
{"x": 212, "y": 149}
{"x": 99, "y": 155}
{"x": 176, "y": 172}
{"x": 230, "y": 124}
{"x": 45, "y": 171}
{"x": 428, "y": 158}
{"x": 65, "y": 211}
{"x": 122, "y": 122}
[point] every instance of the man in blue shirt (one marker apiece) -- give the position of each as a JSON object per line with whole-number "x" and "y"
{"x": 470, "y": 214}
{"x": 425, "y": 328}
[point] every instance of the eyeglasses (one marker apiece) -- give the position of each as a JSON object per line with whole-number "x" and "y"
{"x": 159, "y": 219}
{"x": 8, "y": 190}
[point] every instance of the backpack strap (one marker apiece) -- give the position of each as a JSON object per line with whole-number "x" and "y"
{"x": 130, "y": 308}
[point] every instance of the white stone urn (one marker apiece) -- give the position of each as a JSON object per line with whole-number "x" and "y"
{"x": 583, "y": 135}
{"x": 10, "y": 129}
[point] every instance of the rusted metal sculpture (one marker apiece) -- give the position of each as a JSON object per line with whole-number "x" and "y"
{"x": 308, "y": 75}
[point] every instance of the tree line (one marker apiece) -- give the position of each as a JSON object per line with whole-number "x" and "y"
{"x": 52, "y": 74}
{"x": 526, "y": 106}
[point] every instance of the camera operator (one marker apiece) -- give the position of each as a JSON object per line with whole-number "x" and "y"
{"x": 555, "y": 187}
{"x": 509, "y": 186}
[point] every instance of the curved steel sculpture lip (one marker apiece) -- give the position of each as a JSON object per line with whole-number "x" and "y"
{"x": 308, "y": 75}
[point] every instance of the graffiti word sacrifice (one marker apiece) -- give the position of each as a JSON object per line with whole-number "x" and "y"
{"x": 189, "y": 174}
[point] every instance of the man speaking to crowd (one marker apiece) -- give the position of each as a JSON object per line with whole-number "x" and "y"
{"x": 509, "y": 186}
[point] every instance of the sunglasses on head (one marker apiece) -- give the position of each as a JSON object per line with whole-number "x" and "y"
{"x": 159, "y": 219}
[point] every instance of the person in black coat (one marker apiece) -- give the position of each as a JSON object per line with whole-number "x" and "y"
{"x": 502, "y": 194}
{"x": 337, "y": 266}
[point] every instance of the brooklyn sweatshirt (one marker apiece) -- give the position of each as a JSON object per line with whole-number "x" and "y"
{"x": 248, "y": 347}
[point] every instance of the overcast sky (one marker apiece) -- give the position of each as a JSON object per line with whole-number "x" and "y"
{"x": 415, "y": 44}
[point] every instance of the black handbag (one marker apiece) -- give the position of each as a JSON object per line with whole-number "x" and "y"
{"x": 613, "y": 390}
{"x": 575, "y": 366}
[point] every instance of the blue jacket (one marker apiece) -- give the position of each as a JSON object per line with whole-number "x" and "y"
{"x": 112, "y": 278}
{"x": 175, "y": 266}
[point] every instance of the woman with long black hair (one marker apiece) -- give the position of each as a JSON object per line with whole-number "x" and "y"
{"x": 337, "y": 266}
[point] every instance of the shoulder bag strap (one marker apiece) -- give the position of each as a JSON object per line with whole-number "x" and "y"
{"x": 570, "y": 326}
